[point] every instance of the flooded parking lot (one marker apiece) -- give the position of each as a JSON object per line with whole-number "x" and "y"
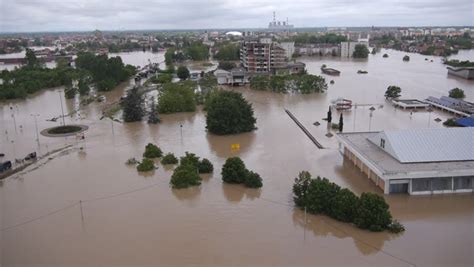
{"x": 132, "y": 219}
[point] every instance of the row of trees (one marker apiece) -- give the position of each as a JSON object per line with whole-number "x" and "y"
{"x": 305, "y": 83}
{"x": 228, "y": 52}
{"x": 196, "y": 51}
{"x": 328, "y": 38}
{"x": 33, "y": 77}
{"x": 320, "y": 196}
{"x": 106, "y": 72}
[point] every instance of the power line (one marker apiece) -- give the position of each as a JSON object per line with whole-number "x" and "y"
{"x": 236, "y": 188}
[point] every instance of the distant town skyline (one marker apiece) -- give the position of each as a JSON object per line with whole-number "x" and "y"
{"x": 86, "y": 15}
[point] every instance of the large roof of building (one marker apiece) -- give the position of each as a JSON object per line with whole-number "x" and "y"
{"x": 428, "y": 145}
{"x": 389, "y": 165}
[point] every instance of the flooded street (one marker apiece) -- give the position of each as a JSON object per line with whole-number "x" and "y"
{"x": 133, "y": 219}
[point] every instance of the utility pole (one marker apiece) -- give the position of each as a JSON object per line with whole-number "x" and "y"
{"x": 62, "y": 110}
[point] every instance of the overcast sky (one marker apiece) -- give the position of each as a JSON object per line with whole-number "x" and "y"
{"x": 77, "y": 15}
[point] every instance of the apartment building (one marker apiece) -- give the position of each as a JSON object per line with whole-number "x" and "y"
{"x": 262, "y": 56}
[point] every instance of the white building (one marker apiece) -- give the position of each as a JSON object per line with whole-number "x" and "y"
{"x": 416, "y": 161}
{"x": 289, "y": 48}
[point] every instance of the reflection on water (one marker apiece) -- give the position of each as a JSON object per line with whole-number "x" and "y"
{"x": 233, "y": 225}
{"x": 187, "y": 193}
{"x": 320, "y": 225}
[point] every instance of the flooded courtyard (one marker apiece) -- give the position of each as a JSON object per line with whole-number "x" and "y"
{"x": 86, "y": 207}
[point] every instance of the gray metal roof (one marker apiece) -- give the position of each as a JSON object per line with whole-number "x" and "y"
{"x": 428, "y": 145}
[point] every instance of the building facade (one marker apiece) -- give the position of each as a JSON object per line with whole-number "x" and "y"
{"x": 348, "y": 48}
{"x": 417, "y": 162}
{"x": 262, "y": 56}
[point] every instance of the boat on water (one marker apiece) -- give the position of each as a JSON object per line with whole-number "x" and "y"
{"x": 330, "y": 71}
{"x": 342, "y": 104}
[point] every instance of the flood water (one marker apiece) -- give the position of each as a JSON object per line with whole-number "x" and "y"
{"x": 217, "y": 224}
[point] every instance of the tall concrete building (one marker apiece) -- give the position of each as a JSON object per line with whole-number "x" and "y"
{"x": 262, "y": 56}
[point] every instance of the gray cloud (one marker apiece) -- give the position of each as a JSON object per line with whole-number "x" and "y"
{"x": 59, "y": 15}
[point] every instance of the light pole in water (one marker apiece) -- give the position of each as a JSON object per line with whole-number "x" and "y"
{"x": 36, "y": 126}
{"x": 62, "y": 110}
{"x": 370, "y": 116}
{"x": 429, "y": 116}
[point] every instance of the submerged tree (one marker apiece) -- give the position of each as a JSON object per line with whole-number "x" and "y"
{"x": 329, "y": 115}
{"x": 393, "y": 92}
{"x": 153, "y": 114}
{"x": 341, "y": 124}
{"x": 360, "y": 51}
{"x": 133, "y": 106}
{"x": 182, "y": 72}
{"x": 457, "y": 93}
{"x": 229, "y": 113}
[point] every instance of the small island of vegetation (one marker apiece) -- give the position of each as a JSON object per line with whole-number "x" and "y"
{"x": 235, "y": 172}
{"x": 320, "y": 196}
{"x": 188, "y": 170}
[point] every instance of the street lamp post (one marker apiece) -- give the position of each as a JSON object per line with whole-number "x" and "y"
{"x": 429, "y": 116}
{"x": 36, "y": 126}
{"x": 370, "y": 116}
{"x": 62, "y": 110}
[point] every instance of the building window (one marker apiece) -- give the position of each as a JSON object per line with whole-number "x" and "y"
{"x": 463, "y": 182}
{"x": 382, "y": 143}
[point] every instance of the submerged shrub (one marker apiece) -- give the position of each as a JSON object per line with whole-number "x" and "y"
{"x": 234, "y": 171}
{"x": 253, "y": 180}
{"x": 372, "y": 213}
{"x": 185, "y": 176}
{"x": 205, "y": 166}
{"x": 152, "y": 151}
{"x": 146, "y": 165}
{"x": 169, "y": 158}
{"x": 319, "y": 195}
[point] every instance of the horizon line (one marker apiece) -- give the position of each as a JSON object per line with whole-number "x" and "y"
{"x": 225, "y": 28}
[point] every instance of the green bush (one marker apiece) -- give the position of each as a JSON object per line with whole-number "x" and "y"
{"x": 457, "y": 93}
{"x": 152, "y": 151}
{"x": 177, "y": 97}
{"x": 169, "y": 159}
{"x": 344, "y": 206}
{"x": 182, "y": 72}
{"x": 234, "y": 171}
{"x": 253, "y": 180}
{"x": 185, "y": 176}
{"x": 300, "y": 188}
{"x": 450, "y": 123}
{"x": 229, "y": 113}
{"x": 372, "y": 213}
{"x": 320, "y": 196}
{"x": 190, "y": 159}
{"x": 393, "y": 92}
{"x": 205, "y": 166}
{"x": 146, "y": 165}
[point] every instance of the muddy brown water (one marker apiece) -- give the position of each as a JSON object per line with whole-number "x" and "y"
{"x": 216, "y": 224}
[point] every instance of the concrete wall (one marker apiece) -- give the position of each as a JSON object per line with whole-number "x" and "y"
{"x": 377, "y": 180}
